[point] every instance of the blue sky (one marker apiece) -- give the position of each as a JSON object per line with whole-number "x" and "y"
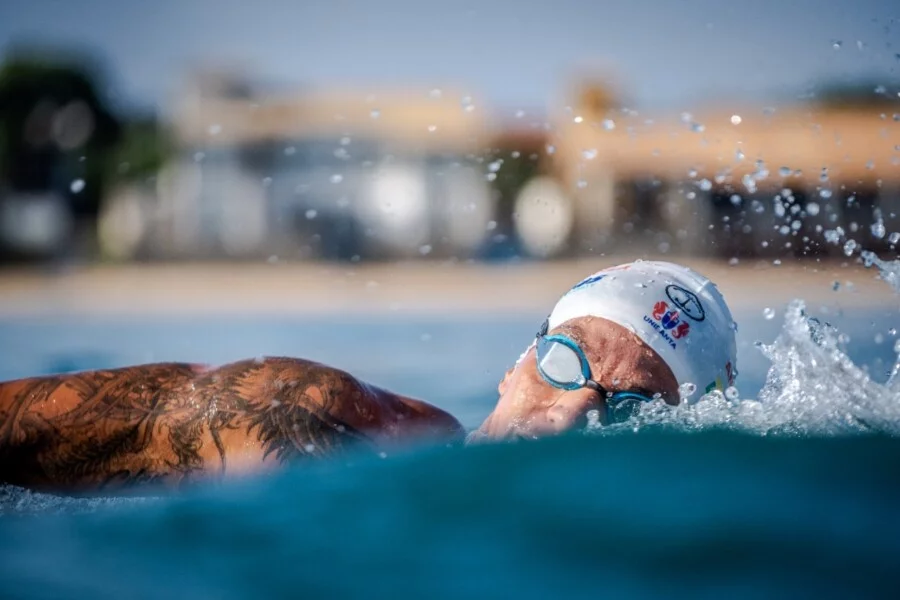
{"x": 516, "y": 54}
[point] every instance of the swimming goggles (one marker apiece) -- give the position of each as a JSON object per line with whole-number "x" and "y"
{"x": 563, "y": 364}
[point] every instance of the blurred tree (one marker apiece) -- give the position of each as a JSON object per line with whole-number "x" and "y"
{"x": 517, "y": 157}
{"x": 56, "y": 131}
{"x": 143, "y": 149}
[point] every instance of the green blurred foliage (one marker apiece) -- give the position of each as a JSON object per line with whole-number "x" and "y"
{"x": 143, "y": 149}
{"x": 40, "y": 89}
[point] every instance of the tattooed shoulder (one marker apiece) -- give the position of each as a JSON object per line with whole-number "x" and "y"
{"x": 175, "y": 422}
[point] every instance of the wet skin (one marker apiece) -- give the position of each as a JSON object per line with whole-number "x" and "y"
{"x": 620, "y": 361}
{"x": 175, "y": 423}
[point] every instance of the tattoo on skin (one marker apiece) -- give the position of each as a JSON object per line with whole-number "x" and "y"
{"x": 170, "y": 423}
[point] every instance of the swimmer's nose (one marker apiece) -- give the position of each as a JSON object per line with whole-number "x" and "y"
{"x": 570, "y": 410}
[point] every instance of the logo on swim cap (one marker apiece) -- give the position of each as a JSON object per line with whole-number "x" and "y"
{"x": 686, "y": 301}
{"x": 670, "y": 319}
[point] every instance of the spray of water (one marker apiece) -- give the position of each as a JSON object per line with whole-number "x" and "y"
{"x": 812, "y": 387}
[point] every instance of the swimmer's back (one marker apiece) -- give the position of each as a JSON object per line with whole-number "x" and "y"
{"x": 174, "y": 422}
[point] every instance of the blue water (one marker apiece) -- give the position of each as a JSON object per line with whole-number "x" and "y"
{"x": 649, "y": 515}
{"x": 661, "y": 512}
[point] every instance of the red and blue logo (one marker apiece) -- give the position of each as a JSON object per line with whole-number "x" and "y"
{"x": 668, "y": 323}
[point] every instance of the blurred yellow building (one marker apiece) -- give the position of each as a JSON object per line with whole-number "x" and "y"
{"x": 404, "y": 173}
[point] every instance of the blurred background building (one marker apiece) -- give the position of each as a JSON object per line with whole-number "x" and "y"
{"x": 228, "y": 165}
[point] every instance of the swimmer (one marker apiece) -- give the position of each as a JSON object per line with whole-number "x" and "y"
{"x": 619, "y": 338}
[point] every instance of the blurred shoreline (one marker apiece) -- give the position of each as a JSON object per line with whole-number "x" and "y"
{"x": 428, "y": 288}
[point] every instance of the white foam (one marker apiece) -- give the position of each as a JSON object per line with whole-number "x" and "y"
{"x": 19, "y": 501}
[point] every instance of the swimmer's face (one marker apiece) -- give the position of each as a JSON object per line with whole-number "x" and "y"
{"x": 530, "y": 407}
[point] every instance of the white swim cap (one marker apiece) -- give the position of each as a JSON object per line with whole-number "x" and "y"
{"x": 674, "y": 310}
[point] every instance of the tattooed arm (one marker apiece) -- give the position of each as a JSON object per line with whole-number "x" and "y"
{"x": 174, "y": 423}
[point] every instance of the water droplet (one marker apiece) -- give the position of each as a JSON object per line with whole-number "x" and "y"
{"x": 608, "y": 124}
{"x": 897, "y": 346}
{"x": 311, "y": 214}
{"x": 705, "y": 185}
{"x": 578, "y": 119}
{"x": 784, "y": 171}
{"x": 849, "y": 247}
{"x": 467, "y": 104}
{"x": 686, "y": 390}
{"x": 309, "y": 448}
{"x": 692, "y": 173}
{"x": 432, "y": 128}
{"x": 739, "y": 154}
{"x": 736, "y": 119}
{"x": 581, "y": 184}
{"x": 825, "y": 193}
{"x": 732, "y": 394}
{"x": 824, "y": 176}
{"x": 337, "y": 178}
{"x": 892, "y": 331}
{"x": 77, "y": 185}
{"x": 836, "y": 285}
{"x": 495, "y": 166}
{"x": 894, "y": 238}
{"x": 215, "y": 129}
{"x": 491, "y": 176}
{"x": 375, "y": 113}
{"x": 769, "y": 313}
{"x": 551, "y": 148}
{"x": 491, "y": 225}
{"x": 836, "y": 44}
{"x": 425, "y": 249}
{"x": 698, "y": 127}
{"x": 812, "y": 209}
{"x": 589, "y": 154}
{"x": 878, "y": 229}
{"x": 520, "y": 114}
{"x": 733, "y": 261}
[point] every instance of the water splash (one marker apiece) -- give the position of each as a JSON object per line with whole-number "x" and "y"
{"x": 19, "y": 501}
{"x": 888, "y": 271}
{"x": 812, "y": 387}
